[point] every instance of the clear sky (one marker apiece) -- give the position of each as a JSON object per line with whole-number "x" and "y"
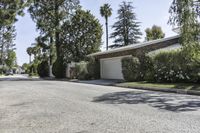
{"x": 149, "y": 12}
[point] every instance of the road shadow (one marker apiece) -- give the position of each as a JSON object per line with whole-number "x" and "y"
{"x": 164, "y": 101}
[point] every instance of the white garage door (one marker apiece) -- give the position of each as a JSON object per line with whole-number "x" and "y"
{"x": 111, "y": 68}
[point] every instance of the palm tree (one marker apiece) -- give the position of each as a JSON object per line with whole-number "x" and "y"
{"x": 29, "y": 51}
{"x": 106, "y": 11}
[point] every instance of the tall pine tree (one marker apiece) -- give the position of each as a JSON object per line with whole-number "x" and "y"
{"x": 126, "y": 29}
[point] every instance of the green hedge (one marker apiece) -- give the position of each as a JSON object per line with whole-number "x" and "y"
{"x": 81, "y": 71}
{"x": 58, "y": 68}
{"x": 164, "y": 67}
{"x": 93, "y": 68}
{"x": 88, "y": 70}
{"x": 43, "y": 69}
{"x": 174, "y": 67}
{"x": 131, "y": 68}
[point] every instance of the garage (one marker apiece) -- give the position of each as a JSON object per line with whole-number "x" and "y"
{"x": 110, "y": 60}
{"x": 111, "y": 68}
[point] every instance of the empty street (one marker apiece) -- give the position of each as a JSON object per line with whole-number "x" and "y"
{"x": 66, "y": 107}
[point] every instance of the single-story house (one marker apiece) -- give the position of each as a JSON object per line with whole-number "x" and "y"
{"x": 110, "y": 60}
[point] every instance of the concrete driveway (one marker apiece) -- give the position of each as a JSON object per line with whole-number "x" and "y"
{"x": 66, "y": 107}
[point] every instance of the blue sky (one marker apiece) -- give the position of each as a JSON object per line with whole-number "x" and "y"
{"x": 149, "y": 12}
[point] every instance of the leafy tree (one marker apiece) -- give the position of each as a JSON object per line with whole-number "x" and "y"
{"x": 82, "y": 36}
{"x": 36, "y": 51}
{"x": 9, "y": 9}
{"x": 185, "y": 14}
{"x": 29, "y": 52}
{"x": 154, "y": 33}
{"x": 48, "y": 49}
{"x": 49, "y": 16}
{"x": 126, "y": 29}
{"x": 25, "y": 67}
{"x": 7, "y": 35}
{"x": 11, "y": 59}
{"x": 106, "y": 11}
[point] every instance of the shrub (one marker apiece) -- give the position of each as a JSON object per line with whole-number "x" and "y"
{"x": 146, "y": 68}
{"x": 88, "y": 70}
{"x": 33, "y": 69}
{"x": 131, "y": 68}
{"x": 58, "y": 68}
{"x": 3, "y": 70}
{"x": 174, "y": 67}
{"x": 93, "y": 68}
{"x": 81, "y": 71}
{"x": 43, "y": 69}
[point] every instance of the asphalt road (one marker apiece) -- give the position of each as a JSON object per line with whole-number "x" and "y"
{"x": 65, "y": 107}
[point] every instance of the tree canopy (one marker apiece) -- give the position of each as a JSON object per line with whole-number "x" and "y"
{"x": 126, "y": 29}
{"x": 186, "y": 14}
{"x": 9, "y": 9}
{"x": 49, "y": 16}
{"x": 154, "y": 33}
{"x": 7, "y": 36}
{"x": 82, "y": 36}
{"x": 11, "y": 59}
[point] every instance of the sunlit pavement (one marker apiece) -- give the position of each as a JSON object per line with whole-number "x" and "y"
{"x": 66, "y": 107}
{"x": 15, "y": 77}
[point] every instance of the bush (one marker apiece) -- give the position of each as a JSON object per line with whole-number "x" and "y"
{"x": 146, "y": 68}
{"x": 81, "y": 71}
{"x": 93, "y": 68}
{"x": 174, "y": 67}
{"x": 33, "y": 69}
{"x": 43, "y": 69}
{"x": 171, "y": 67}
{"x": 88, "y": 70}
{"x": 131, "y": 68}
{"x": 3, "y": 70}
{"x": 58, "y": 68}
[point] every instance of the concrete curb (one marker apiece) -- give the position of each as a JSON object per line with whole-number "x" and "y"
{"x": 177, "y": 91}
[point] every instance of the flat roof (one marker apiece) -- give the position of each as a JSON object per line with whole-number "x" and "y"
{"x": 134, "y": 46}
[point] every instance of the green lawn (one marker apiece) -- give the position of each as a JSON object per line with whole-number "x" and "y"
{"x": 185, "y": 86}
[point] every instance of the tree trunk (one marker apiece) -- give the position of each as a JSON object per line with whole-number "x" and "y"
{"x": 106, "y": 33}
{"x": 29, "y": 59}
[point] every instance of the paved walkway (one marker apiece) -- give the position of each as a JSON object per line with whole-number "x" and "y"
{"x": 66, "y": 107}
